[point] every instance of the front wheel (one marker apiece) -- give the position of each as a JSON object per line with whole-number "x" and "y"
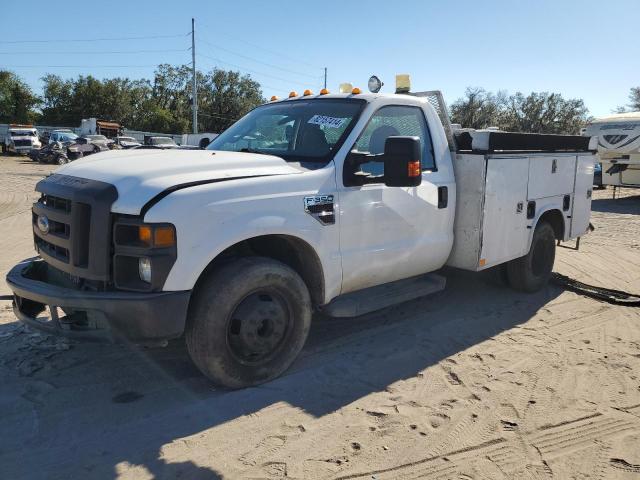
{"x": 248, "y": 321}
{"x": 531, "y": 272}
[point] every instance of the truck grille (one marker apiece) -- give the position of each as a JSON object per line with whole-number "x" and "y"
{"x": 22, "y": 143}
{"x": 72, "y": 225}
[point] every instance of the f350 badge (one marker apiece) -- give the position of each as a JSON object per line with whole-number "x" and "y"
{"x": 320, "y": 207}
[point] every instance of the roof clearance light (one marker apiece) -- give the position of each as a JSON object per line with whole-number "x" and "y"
{"x": 307, "y": 92}
{"x": 346, "y": 88}
{"x": 293, "y": 94}
{"x": 324, "y": 91}
{"x": 356, "y": 91}
{"x": 375, "y": 84}
{"x": 403, "y": 83}
{"x": 274, "y": 98}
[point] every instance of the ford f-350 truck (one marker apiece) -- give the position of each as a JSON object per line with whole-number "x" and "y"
{"x": 344, "y": 203}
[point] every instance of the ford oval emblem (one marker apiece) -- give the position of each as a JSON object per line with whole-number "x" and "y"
{"x": 43, "y": 224}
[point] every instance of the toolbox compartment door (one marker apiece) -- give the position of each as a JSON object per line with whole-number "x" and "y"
{"x": 504, "y": 229}
{"x": 550, "y": 176}
{"x": 581, "y": 210}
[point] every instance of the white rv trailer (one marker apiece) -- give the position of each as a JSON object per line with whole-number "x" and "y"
{"x": 618, "y": 148}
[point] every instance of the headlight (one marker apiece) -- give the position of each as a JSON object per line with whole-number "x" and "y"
{"x": 144, "y": 269}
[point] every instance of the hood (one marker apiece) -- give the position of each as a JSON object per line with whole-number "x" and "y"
{"x": 140, "y": 175}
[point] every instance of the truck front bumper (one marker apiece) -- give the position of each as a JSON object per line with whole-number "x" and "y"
{"x": 89, "y": 315}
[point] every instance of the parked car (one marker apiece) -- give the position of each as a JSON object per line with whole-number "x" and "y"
{"x": 160, "y": 142}
{"x": 62, "y": 135}
{"x": 56, "y": 152}
{"x": 88, "y": 144}
{"x": 127, "y": 142}
{"x": 597, "y": 176}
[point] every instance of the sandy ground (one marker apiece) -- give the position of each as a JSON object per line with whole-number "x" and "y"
{"x": 477, "y": 382}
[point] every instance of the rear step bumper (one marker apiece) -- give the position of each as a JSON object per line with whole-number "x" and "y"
{"x": 109, "y": 315}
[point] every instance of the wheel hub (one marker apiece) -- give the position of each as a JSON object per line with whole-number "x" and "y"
{"x": 258, "y": 327}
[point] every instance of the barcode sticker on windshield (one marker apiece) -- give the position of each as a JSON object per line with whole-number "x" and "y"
{"x": 331, "y": 122}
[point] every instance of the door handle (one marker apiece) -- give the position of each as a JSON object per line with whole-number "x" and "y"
{"x": 443, "y": 197}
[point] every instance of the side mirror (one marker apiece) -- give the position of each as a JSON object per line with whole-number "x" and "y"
{"x": 402, "y": 167}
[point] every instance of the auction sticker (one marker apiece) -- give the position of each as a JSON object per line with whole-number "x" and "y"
{"x": 331, "y": 122}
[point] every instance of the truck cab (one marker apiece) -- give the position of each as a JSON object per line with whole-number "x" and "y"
{"x": 21, "y": 139}
{"x": 338, "y": 202}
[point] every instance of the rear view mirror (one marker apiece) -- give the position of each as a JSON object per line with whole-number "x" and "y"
{"x": 402, "y": 157}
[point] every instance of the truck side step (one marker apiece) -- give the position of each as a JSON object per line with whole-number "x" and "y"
{"x": 375, "y": 298}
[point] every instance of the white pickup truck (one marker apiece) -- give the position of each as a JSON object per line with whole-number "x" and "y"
{"x": 344, "y": 203}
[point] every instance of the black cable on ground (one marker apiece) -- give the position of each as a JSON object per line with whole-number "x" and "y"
{"x": 6, "y": 297}
{"x": 616, "y": 297}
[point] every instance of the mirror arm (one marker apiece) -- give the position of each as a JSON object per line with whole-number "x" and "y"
{"x": 356, "y": 177}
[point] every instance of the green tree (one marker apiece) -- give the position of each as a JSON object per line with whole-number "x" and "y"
{"x": 223, "y": 97}
{"x": 634, "y": 101}
{"x": 538, "y": 112}
{"x": 17, "y": 100}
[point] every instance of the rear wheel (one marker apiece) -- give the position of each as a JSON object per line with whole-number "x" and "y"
{"x": 531, "y": 272}
{"x": 248, "y": 321}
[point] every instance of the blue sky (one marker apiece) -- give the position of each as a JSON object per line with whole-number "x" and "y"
{"x": 582, "y": 49}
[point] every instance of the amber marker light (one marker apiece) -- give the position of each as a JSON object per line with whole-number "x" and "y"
{"x": 324, "y": 91}
{"x": 144, "y": 235}
{"x": 292, "y": 94}
{"x": 274, "y": 98}
{"x": 356, "y": 91}
{"x": 164, "y": 237}
{"x": 307, "y": 92}
{"x": 414, "y": 169}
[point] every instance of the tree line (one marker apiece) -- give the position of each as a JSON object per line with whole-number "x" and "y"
{"x": 159, "y": 105}
{"x": 163, "y": 104}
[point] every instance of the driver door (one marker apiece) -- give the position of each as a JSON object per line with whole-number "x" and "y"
{"x": 390, "y": 233}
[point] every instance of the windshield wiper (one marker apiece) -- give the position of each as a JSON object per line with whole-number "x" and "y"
{"x": 252, "y": 150}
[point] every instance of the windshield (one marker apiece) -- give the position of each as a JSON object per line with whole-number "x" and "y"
{"x": 300, "y": 130}
{"x": 22, "y": 133}
{"x": 68, "y": 136}
{"x": 162, "y": 141}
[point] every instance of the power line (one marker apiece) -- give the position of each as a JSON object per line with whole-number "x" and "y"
{"x": 257, "y": 72}
{"x": 256, "y": 60}
{"x": 262, "y": 85}
{"x": 88, "y": 52}
{"x": 111, "y": 39}
{"x": 273, "y": 52}
{"x": 79, "y": 66}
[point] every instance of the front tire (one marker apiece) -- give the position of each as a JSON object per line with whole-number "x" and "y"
{"x": 531, "y": 272}
{"x": 248, "y": 321}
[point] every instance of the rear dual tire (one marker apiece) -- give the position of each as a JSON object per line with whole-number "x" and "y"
{"x": 248, "y": 321}
{"x": 532, "y": 272}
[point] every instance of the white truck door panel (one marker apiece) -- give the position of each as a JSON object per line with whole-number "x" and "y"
{"x": 550, "y": 176}
{"x": 504, "y": 230}
{"x": 389, "y": 233}
{"x": 581, "y": 211}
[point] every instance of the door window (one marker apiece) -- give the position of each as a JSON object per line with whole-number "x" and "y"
{"x": 395, "y": 120}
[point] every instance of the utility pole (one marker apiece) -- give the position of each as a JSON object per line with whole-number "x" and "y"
{"x": 325, "y": 77}
{"x": 194, "y": 86}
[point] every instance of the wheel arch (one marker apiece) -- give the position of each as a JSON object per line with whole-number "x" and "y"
{"x": 554, "y": 217}
{"x": 288, "y": 249}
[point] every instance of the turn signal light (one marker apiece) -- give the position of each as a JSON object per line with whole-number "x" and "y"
{"x": 307, "y": 92}
{"x": 414, "y": 169}
{"x": 156, "y": 237}
{"x": 164, "y": 237}
{"x": 274, "y": 98}
{"x": 356, "y": 91}
{"x": 144, "y": 235}
{"x": 324, "y": 91}
{"x": 292, "y": 94}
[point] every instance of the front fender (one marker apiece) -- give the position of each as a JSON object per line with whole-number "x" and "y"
{"x": 211, "y": 218}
